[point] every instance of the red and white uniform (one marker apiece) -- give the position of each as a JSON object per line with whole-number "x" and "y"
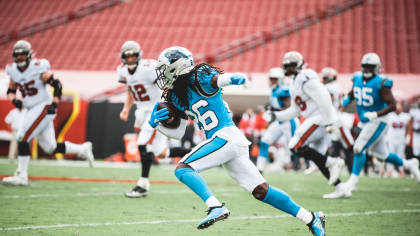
{"x": 310, "y": 99}
{"x": 415, "y": 114}
{"x": 339, "y": 132}
{"x": 143, "y": 89}
{"x": 397, "y": 132}
{"x": 36, "y": 99}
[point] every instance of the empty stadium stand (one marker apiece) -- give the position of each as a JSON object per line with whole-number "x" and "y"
{"x": 388, "y": 27}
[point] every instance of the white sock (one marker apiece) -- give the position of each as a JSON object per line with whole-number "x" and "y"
{"x": 23, "y": 163}
{"x": 144, "y": 183}
{"x": 73, "y": 148}
{"x": 212, "y": 202}
{"x": 353, "y": 180}
{"x": 304, "y": 215}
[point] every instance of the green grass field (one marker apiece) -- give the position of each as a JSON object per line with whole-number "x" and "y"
{"x": 379, "y": 207}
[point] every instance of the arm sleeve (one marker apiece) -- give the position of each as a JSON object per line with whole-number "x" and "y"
{"x": 317, "y": 92}
{"x": 174, "y": 133}
{"x": 288, "y": 113}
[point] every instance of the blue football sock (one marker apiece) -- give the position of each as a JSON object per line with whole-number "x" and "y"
{"x": 394, "y": 159}
{"x": 194, "y": 181}
{"x": 281, "y": 201}
{"x": 263, "y": 150}
{"x": 359, "y": 161}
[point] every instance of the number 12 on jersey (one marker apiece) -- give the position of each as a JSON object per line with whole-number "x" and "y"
{"x": 138, "y": 92}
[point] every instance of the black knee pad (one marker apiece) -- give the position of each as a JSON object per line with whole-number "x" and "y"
{"x": 145, "y": 155}
{"x": 61, "y": 148}
{"x": 23, "y": 149}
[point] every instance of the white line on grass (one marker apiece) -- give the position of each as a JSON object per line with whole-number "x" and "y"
{"x": 114, "y": 193}
{"x": 343, "y": 214}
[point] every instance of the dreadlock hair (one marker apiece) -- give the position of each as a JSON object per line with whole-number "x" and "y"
{"x": 183, "y": 82}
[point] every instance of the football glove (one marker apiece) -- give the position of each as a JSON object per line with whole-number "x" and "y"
{"x": 238, "y": 79}
{"x": 371, "y": 115}
{"x": 269, "y": 116}
{"x": 51, "y": 108}
{"x": 158, "y": 116}
{"x": 17, "y": 103}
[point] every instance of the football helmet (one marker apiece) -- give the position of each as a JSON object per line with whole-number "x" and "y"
{"x": 328, "y": 75}
{"x": 276, "y": 73}
{"x": 292, "y": 58}
{"x": 371, "y": 64}
{"x": 22, "y": 47}
{"x": 173, "y": 62}
{"x": 131, "y": 48}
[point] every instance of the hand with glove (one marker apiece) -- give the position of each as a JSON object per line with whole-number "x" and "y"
{"x": 158, "y": 116}
{"x": 17, "y": 103}
{"x": 51, "y": 110}
{"x": 238, "y": 79}
{"x": 269, "y": 116}
{"x": 371, "y": 115}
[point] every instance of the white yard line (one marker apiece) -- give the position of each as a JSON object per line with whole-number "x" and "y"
{"x": 343, "y": 214}
{"x": 116, "y": 192}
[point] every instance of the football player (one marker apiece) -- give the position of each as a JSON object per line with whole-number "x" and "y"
{"x": 414, "y": 127}
{"x": 196, "y": 91}
{"x": 397, "y": 133}
{"x": 140, "y": 79}
{"x": 310, "y": 99}
{"x": 279, "y": 100}
{"x": 31, "y": 77}
{"x": 374, "y": 100}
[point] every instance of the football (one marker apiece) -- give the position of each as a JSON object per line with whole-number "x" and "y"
{"x": 174, "y": 115}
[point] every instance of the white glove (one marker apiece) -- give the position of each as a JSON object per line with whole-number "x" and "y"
{"x": 269, "y": 116}
{"x": 371, "y": 115}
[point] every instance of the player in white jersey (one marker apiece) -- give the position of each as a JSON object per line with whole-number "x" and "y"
{"x": 397, "y": 132}
{"x": 310, "y": 99}
{"x": 341, "y": 136}
{"x": 140, "y": 78}
{"x": 279, "y": 100}
{"x": 31, "y": 77}
{"x": 415, "y": 127}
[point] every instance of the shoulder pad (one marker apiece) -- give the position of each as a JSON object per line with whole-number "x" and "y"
{"x": 44, "y": 63}
{"x": 310, "y": 73}
{"x": 387, "y": 83}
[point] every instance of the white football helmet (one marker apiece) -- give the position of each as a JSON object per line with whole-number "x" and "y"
{"x": 22, "y": 47}
{"x": 371, "y": 59}
{"x": 173, "y": 62}
{"x": 290, "y": 58}
{"x": 130, "y": 48}
{"x": 277, "y": 73}
{"x": 328, "y": 74}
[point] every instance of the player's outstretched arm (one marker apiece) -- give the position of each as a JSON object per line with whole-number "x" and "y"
{"x": 287, "y": 114}
{"x": 126, "y": 108}
{"x": 226, "y": 79}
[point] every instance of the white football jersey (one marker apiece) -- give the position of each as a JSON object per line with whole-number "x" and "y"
{"x": 142, "y": 84}
{"x": 398, "y": 124}
{"x": 336, "y": 94}
{"x": 307, "y": 106}
{"x": 415, "y": 113}
{"x": 32, "y": 88}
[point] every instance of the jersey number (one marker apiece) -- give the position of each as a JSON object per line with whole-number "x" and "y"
{"x": 207, "y": 115}
{"x": 138, "y": 92}
{"x": 27, "y": 89}
{"x": 363, "y": 96}
{"x": 301, "y": 104}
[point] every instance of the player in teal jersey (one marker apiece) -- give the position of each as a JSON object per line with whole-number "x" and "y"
{"x": 374, "y": 100}
{"x": 196, "y": 91}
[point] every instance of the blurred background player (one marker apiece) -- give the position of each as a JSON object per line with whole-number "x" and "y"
{"x": 139, "y": 76}
{"x": 415, "y": 129}
{"x": 310, "y": 99}
{"x": 31, "y": 77}
{"x": 396, "y": 137}
{"x": 374, "y": 100}
{"x": 196, "y": 90}
{"x": 279, "y": 100}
